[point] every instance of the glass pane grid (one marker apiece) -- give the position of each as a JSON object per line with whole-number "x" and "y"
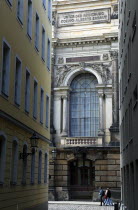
{"x": 84, "y": 106}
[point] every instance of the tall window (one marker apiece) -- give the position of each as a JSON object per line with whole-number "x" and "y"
{"x": 33, "y": 167}
{"x": 27, "y": 92}
{"x": 37, "y": 31}
{"x": 30, "y": 17}
{"x": 44, "y": 3}
{"x": 14, "y": 164}
{"x": 49, "y": 9}
{"x": 46, "y": 168}
{"x": 47, "y": 111}
{"x": 35, "y": 100}
{"x": 43, "y": 43}
{"x": 39, "y": 167}
{"x": 24, "y": 165}
{"x": 2, "y": 157}
{"x": 48, "y": 54}
{"x": 6, "y": 69}
{"x": 17, "y": 95}
{"x": 41, "y": 105}
{"x": 84, "y": 106}
{"x": 20, "y": 10}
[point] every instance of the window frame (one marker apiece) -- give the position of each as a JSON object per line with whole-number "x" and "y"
{"x": 7, "y": 80}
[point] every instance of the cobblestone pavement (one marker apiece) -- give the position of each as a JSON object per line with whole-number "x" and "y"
{"x": 77, "y": 206}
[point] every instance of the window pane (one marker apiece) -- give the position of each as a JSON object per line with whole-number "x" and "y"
{"x": 84, "y": 106}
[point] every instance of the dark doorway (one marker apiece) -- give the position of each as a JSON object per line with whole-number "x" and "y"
{"x": 81, "y": 178}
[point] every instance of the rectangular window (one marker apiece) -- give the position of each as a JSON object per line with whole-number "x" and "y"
{"x": 41, "y": 105}
{"x": 18, "y": 71}
{"x": 43, "y": 43}
{"x": 6, "y": 69}
{"x": 37, "y": 32}
{"x": 47, "y": 111}
{"x": 44, "y": 4}
{"x": 27, "y": 92}
{"x": 49, "y": 9}
{"x": 30, "y": 16}
{"x": 20, "y": 10}
{"x": 35, "y": 100}
{"x": 48, "y": 54}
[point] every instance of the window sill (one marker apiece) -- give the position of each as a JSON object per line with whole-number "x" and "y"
{"x": 29, "y": 37}
{"x": 4, "y": 96}
{"x": 37, "y": 50}
{"x": 20, "y": 22}
{"x": 16, "y": 105}
{"x": 44, "y": 7}
{"x": 41, "y": 123}
{"x": 27, "y": 112}
{"x": 43, "y": 60}
{"x": 9, "y": 4}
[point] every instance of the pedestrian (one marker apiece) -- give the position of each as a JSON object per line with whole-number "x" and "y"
{"x": 108, "y": 200}
{"x": 101, "y": 193}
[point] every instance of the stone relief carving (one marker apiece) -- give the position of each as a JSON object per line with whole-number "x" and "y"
{"x": 53, "y": 18}
{"x": 60, "y": 74}
{"x": 60, "y": 60}
{"x": 114, "y": 54}
{"x": 115, "y": 12}
{"x": 102, "y": 69}
{"x": 82, "y": 65}
{"x": 105, "y": 57}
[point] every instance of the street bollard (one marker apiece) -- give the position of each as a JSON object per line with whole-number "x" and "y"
{"x": 116, "y": 206}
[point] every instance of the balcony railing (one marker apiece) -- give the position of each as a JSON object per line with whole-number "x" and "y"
{"x": 81, "y": 141}
{"x": 87, "y": 141}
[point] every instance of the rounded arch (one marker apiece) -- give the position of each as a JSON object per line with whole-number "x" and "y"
{"x": 72, "y": 74}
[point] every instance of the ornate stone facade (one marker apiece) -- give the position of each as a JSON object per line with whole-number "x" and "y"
{"x": 82, "y": 48}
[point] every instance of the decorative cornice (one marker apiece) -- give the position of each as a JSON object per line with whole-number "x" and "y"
{"x": 72, "y": 42}
{"x": 23, "y": 126}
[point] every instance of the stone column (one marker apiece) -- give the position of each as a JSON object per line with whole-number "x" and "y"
{"x": 101, "y": 115}
{"x": 115, "y": 86}
{"x": 108, "y": 114}
{"x": 57, "y": 113}
{"x": 65, "y": 116}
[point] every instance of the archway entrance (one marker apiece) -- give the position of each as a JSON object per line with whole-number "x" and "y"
{"x": 81, "y": 178}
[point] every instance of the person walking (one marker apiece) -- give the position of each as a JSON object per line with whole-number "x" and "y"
{"x": 101, "y": 193}
{"x": 108, "y": 200}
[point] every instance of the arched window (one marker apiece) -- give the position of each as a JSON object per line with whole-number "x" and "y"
{"x": 24, "y": 165}
{"x": 33, "y": 167}
{"x": 84, "y": 106}
{"x": 46, "y": 168}
{"x": 2, "y": 157}
{"x": 14, "y": 162}
{"x": 39, "y": 166}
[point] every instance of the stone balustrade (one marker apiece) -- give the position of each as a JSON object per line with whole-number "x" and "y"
{"x": 81, "y": 141}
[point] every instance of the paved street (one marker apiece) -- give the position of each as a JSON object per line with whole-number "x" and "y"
{"x": 74, "y": 205}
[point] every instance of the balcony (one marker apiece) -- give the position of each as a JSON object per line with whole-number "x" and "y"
{"x": 87, "y": 142}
